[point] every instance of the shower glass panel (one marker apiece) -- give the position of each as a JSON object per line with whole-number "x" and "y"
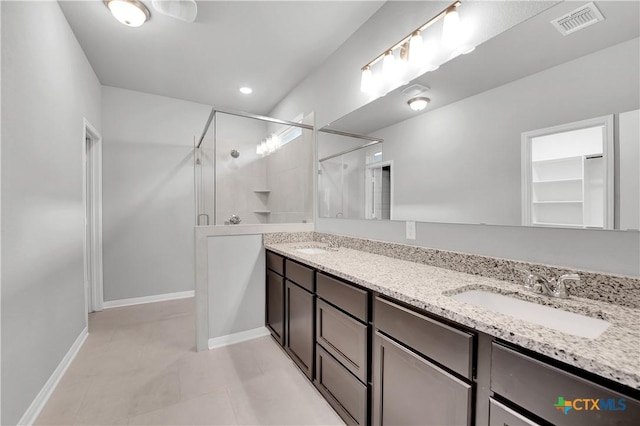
{"x": 353, "y": 181}
{"x": 262, "y": 170}
{"x": 204, "y": 174}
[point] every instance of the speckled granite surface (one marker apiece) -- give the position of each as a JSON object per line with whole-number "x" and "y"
{"x": 614, "y": 355}
{"x": 617, "y": 289}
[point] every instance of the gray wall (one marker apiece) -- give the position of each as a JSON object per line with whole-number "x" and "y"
{"x": 48, "y": 87}
{"x": 148, "y": 193}
{"x": 236, "y": 284}
{"x": 461, "y": 163}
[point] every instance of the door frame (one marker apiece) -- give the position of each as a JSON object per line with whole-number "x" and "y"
{"x": 608, "y": 123}
{"x": 93, "y": 261}
{"x": 368, "y": 192}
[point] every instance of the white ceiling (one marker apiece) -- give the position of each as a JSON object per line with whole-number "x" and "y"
{"x": 267, "y": 45}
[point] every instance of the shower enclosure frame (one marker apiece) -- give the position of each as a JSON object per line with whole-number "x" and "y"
{"x": 198, "y": 186}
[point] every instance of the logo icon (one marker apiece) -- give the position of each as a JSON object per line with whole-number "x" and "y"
{"x": 563, "y": 405}
{"x": 590, "y": 404}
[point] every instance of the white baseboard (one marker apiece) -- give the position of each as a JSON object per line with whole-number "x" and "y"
{"x": 148, "y": 299}
{"x": 243, "y": 336}
{"x": 32, "y": 413}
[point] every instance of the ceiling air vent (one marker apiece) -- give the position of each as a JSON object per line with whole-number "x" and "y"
{"x": 580, "y": 18}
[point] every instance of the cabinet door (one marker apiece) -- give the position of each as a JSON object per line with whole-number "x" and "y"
{"x": 275, "y": 306}
{"x": 409, "y": 390}
{"x": 299, "y": 326}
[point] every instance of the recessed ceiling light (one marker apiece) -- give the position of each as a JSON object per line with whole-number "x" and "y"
{"x": 246, "y": 90}
{"x": 132, "y": 13}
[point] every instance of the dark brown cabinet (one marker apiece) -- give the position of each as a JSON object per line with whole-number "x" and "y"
{"x": 274, "y": 308}
{"x": 343, "y": 337}
{"x": 380, "y": 361}
{"x": 344, "y": 392}
{"x": 409, "y": 387}
{"x": 539, "y": 388}
{"x": 300, "y": 315}
{"x": 299, "y": 327}
{"x": 410, "y": 390}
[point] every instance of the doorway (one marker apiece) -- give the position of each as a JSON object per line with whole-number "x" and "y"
{"x": 92, "y": 201}
{"x": 379, "y": 191}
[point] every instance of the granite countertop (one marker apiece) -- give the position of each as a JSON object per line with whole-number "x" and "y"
{"x": 614, "y": 355}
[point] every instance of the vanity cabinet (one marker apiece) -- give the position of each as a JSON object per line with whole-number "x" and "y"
{"x": 342, "y": 351}
{"x": 299, "y": 315}
{"x": 422, "y": 369}
{"x": 379, "y": 361}
{"x": 553, "y": 394}
{"x": 274, "y": 309}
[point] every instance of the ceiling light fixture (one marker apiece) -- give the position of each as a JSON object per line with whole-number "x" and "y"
{"x": 415, "y": 54}
{"x": 131, "y": 13}
{"x": 246, "y": 90}
{"x": 419, "y": 103}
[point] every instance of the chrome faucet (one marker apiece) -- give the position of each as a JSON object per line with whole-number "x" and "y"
{"x": 553, "y": 287}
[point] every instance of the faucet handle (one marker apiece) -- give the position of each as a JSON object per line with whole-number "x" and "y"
{"x": 561, "y": 289}
{"x": 528, "y": 285}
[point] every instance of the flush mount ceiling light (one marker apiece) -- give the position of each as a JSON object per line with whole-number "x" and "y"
{"x": 131, "y": 13}
{"x": 246, "y": 90}
{"x": 414, "y": 54}
{"x": 419, "y": 103}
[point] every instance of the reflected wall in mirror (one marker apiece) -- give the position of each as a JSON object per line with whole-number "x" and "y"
{"x": 354, "y": 183}
{"x": 460, "y": 160}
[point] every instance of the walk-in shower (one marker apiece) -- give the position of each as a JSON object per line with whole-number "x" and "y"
{"x": 251, "y": 169}
{"x": 353, "y": 180}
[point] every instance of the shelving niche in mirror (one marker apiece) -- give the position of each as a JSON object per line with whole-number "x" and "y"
{"x": 459, "y": 161}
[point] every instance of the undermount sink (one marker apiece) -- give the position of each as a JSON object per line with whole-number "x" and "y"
{"x": 311, "y": 250}
{"x": 557, "y": 319}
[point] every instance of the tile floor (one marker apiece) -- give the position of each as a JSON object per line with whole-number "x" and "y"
{"x": 139, "y": 367}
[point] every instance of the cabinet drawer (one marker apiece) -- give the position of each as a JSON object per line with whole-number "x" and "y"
{"x": 539, "y": 387}
{"x": 299, "y": 274}
{"x": 275, "y": 262}
{"x": 501, "y": 415}
{"x": 350, "y": 299}
{"x": 341, "y": 389}
{"x": 343, "y": 337}
{"x": 409, "y": 390}
{"x": 446, "y": 345}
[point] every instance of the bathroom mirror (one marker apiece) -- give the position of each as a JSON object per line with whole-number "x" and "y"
{"x": 461, "y": 159}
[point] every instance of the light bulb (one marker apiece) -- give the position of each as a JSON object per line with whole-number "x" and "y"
{"x": 389, "y": 67}
{"x": 418, "y": 104}
{"x": 129, "y": 12}
{"x": 416, "y": 49}
{"x": 271, "y": 145}
{"x": 451, "y": 31}
{"x": 366, "y": 83}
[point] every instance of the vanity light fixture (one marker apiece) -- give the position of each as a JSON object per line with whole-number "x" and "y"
{"x": 414, "y": 52}
{"x": 131, "y": 13}
{"x": 269, "y": 145}
{"x": 418, "y": 103}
